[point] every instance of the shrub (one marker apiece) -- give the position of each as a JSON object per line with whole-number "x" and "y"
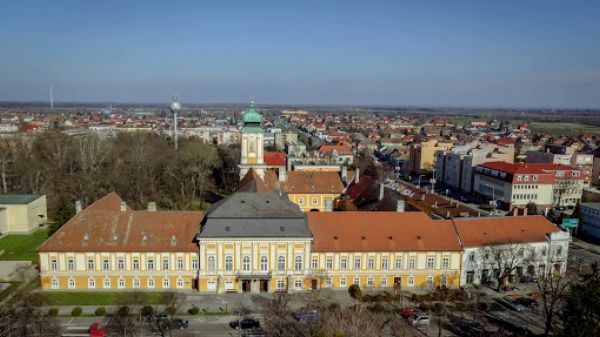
{"x": 170, "y": 310}
{"x": 414, "y": 298}
{"x": 355, "y": 292}
{"x": 366, "y": 298}
{"x": 100, "y": 311}
{"x": 194, "y": 310}
{"x": 378, "y": 307}
{"x": 123, "y": 311}
{"x": 147, "y": 311}
{"x": 76, "y": 312}
{"x": 53, "y": 312}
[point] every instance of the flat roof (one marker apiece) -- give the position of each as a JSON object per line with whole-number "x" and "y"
{"x": 18, "y": 199}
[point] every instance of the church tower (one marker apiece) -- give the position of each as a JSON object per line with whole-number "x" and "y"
{"x": 252, "y": 143}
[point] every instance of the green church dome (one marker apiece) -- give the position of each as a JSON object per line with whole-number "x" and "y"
{"x": 252, "y": 116}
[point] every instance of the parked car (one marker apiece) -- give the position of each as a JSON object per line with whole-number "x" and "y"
{"x": 245, "y": 324}
{"x": 306, "y": 315}
{"x": 527, "y": 302}
{"x": 419, "y": 320}
{"x": 408, "y": 312}
{"x": 254, "y": 333}
{"x": 180, "y": 324}
{"x": 516, "y": 305}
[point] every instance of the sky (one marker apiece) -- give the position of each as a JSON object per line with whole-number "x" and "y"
{"x": 403, "y": 53}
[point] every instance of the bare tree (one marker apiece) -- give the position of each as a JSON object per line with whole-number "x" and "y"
{"x": 503, "y": 260}
{"x": 352, "y": 322}
{"x": 554, "y": 290}
{"x": 278, "y": 319}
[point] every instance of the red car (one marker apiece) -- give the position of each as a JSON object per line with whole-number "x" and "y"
{"x": 95, "y": 330}
{"x": 408, "y": 312}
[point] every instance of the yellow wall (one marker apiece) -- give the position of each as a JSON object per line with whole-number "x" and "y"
{"x": 308, "y": 201}
{"x": 81, "y": 274}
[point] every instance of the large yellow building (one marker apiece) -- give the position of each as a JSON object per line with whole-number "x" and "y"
{"x": 109, "y": 246}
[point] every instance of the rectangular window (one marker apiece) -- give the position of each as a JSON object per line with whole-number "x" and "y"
{"x": 281, "y": 263}
{"x": 151, "y": 283}
{"x": 91, "y": 283}
{"x": 314, "y": 263}
{"x": 195, "y": 264}
{"x": 298, "y": 284}
{"x": 121, "y": 264}
{"x": 211, "y": 264}
{"x": 357, "y": 263}
{"x": 229, "y": 263}
{"x": 343, "y": 263}
{"x": 136, "y": 264}
{"x": 329, "y": 263}
{"x": 371, "y": 263}
{"x": 298, "y": 263}
{"x": 383, "y": 281}
{"x": 342, "y": 282}
{"x": 384, "y": 263}
{"x": 54, "y": 265}
{"x": 264, "y": 263}
{"x": 411, "y": 263}
{"x": 70, "y": 264}
{"x": 398, "y": 263}
{"x": 179, "y": 283}
{"x": 136, "y": 283}
{"x": 357, "y": 280}
{"x": 54, "y": 283}
{"x": 369, "y": 281}
{"x": 280, "y": 284}
{"x": 106, "y": 283}
{"x": 411, "y": 281}
{"x": 165, "y": 264}
{"x": 444, "y": 280}
{"x": 179, "y": 264}
{"x": 90, "y": 264}
{"x": 121, "y": 283}
{"x": 165, "y": 282}
{"x": 446, "y": 263}
{"x": 105, "y": 265}
{"x": 430, "y": 262}
{"x": 71, "y": 283}
{"x": 150, "y": 264}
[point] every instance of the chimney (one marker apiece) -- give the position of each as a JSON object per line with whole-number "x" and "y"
{"x": 282, "y": 175}
{"x": 381, "y": 191}
{"x": 328, "y": 205}
{"x": 78, "y": 206}
{"x": 123, "y": 206}
{"x": 357, "y": 175}
{"x": 435, "y": 204}
{"x": 344, "y": 174}
{"x": 400, "y": 205}
{"x": 152, "y": 206}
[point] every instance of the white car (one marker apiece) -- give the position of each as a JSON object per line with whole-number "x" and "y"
{"x": 419, "y": 320}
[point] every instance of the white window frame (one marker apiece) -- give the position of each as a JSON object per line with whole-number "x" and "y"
{"x": 54, "y": 284}
{"x": 136, "y": 283}
{"x": 298, "y": 263}
{"x": 91, "y": 283}
{"x": 121, "y": 283}
{"x": 71, "y": 283}
{"x": 150, "y": 282}
{"x": 166, "y": 283}
{"x": 180, "y": 283}
{"x": 342, "y": 281}
{"x": 106, "y": 283}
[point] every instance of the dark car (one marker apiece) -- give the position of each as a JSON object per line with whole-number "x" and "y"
{"x": 527, "y": 302}
{"x": 180, "y": 324}
{"x": 245, "y": 324}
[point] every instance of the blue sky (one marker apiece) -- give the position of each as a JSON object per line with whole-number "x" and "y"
{"x": 430, "y": 53}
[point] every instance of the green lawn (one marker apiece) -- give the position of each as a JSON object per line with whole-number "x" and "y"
{"x": 96, "y": 297}
{"x": 567, "y": 129}
{"x": 19, "y": 247}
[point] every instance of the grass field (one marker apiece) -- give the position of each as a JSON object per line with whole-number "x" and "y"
{"x": 96, "y": 298}
{"x": 22, "y": 247}
{"x": 567, "y": 129}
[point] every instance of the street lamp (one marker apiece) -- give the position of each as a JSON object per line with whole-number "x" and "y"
{"x": 175, "y": 107}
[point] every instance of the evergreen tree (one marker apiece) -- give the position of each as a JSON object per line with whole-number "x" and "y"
{"x": 63, "y": 211}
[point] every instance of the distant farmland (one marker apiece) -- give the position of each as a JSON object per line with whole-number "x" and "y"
{"x": 567, "y": 129}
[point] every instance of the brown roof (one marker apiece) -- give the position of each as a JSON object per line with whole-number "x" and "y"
{"x": 252, "y": 182}
{"x": 503, "y": 230}
{"x": 380, "y": 231}
{"x": 102, "y": 227}
{"x": 313, "y": 182}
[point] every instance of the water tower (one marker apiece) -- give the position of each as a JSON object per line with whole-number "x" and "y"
{"x": 175, "y": 107}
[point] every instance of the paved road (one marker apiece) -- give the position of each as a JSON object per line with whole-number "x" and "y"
{"x": 580, "y": 255}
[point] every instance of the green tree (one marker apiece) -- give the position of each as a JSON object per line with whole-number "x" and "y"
{"x": 63, "y": 211}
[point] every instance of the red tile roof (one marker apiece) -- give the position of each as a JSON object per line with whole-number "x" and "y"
{"x": 313, "y": 182}
{"x": 504, "y": 230}
{"x": 103, "y": 227}
{"x": 380, "y": 231}
{"x": 275, "y": 158}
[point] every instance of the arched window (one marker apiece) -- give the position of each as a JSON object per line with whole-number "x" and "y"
{"x": 211, "y": 263}
{"x": 298, "y": 263}
{"x": 281, "y": 263}
{"x": 264, "y": 263}
{"x": 229, "y": 263}
{"x": 246, "y": 263}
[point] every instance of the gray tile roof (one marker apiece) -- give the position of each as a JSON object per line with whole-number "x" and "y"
{"x": 247, "y": 214}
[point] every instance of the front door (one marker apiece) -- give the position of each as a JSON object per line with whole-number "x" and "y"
{"x": 264, "y": 286}
{"x": 314, "y": 284}
{"x": 246, "y": 284}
